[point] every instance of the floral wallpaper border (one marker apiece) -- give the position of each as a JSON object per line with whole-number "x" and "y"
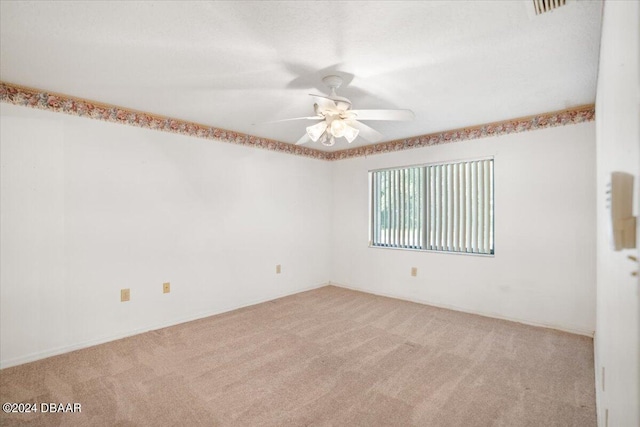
{"x": 34, "y": 98}
{"x": 19, "y": 95}
{"x": 585, "y": 113}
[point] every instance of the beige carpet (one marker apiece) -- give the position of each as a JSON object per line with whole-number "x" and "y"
{"x": 330, "y": 356}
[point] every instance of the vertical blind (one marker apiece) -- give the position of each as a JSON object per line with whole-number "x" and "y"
{"x": 441, "y": 207}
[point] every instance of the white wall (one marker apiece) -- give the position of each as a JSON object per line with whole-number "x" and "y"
{"x": 617, "y": 341}
{"x": 544, "y": 268}
{"x": 90, "y": 207}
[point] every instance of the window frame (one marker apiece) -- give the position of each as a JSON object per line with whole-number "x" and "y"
{"x": 420, "y": 165}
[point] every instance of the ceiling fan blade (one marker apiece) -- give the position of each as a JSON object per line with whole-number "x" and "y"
{"x": 400, "y": 115}
{"x": 368, "y": 133}
{"x": 305, "y": 138}
{"x": 297, "y": 118}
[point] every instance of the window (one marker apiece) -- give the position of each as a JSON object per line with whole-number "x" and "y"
{"x": 437, "y": 207}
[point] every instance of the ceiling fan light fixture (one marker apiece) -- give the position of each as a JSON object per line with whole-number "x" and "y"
{"x": 338, "y": 120}
{"x": 338, "y": 128}
{"x": 351, "y": 133}
{"x": 316, "y": 131}
{"x": 327, "y": 139}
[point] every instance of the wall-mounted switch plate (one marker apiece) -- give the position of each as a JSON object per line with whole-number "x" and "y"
{"x": 166, "y": 287}
{"x": 414, "y": 271}
{"x": 125, "y": 295}
{"x": 278, "y": 269}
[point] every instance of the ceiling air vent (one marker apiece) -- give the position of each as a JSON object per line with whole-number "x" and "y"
{"x": 542, "y": 6}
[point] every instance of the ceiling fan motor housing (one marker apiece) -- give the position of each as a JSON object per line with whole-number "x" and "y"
{"x": 334, "y": 82}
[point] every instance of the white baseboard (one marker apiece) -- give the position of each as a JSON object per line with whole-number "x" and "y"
{"x": 90, "y": 343}
{"x": 77, "y": 346}
{"x": 570, "y": 330}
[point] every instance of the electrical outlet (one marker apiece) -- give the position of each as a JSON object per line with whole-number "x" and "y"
{"x": 166, "y": 287}
{"x": 278, "y": 269}
{"x": 125, "y": 295}
{"x": 414, "y": 271}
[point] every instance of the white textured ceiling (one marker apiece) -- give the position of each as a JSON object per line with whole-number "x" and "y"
{"x": 236, "y": 65}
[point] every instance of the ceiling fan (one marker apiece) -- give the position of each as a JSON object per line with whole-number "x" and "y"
{"x": 336, "y": 119}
